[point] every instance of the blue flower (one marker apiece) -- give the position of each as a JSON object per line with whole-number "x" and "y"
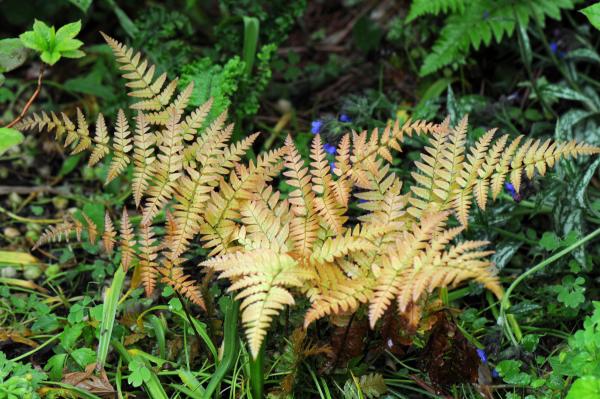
{"x": 482, "y": 355}
{"x": 330, "y": 149}
{"x": 486, "y": 14}
{"x": 316, "y": 126}
{"x": 332, "y": 165}
{"x": 512, "y": 191}
{"x": 554, "y": 47}
{"x": 495, "y": 373}
{"x": 345, "y": 118}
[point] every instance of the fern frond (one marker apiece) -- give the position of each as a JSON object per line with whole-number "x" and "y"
{"x": 422, "y": 7}
{"x": 325, "y": 202}
{"x": 337, "y": 293}
{"x": 56, "y": 233}
{"x": 121, "y": 146}
{"x": 174, "y": 276}
{"x": 142, "y": 82}
{"x": 148, "y": 253}
{"x": 168, "y": 169}
{"x": 398, "y": 260}
{"x": 304, "y": 223}
{"x": 109, "y": 234}
{"x": 127, "y": 242}
{"x": 91, "y": 229}
{"x": 223, "y": 206}
{"x": 263, "y": 227}
{"x": 262, "y": 276}
{"x": 101, "y": 141}
{"x": 143, "y": 158}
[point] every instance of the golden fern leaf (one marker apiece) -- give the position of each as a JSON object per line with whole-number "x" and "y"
{"x": 458, "y": 264}
{"x": 143, "y": 158}
{"x": 127, "y": 242}
{"x": 342, "y": 186}
{"x": 395, "y": 263}
{"x": 174, "y": 276}
{"x": 191, "y": 192}
{"x": 56, "y": 233}
{"x": 326, "y": 204}
{"x": 142, "y": 82}
{"x": 168, "y": 169}
{"x": 148, "y": 253}
{"x": 109, "y": 234}
{"x": 223, "y": 206}
{"x": 336, "y": 293}
{"x": 91, "y": 229}
{"x": 353, "y": 240}
{"x": 179, "y": 105}
{"x": 262, "y": 277}
{"x": 76, "y": 135}
{"x": 263, "y": 228}
{"x": 121, "y": 146}
{"x": 100, "y": 141}
{"x": 304, "y": 223}
{"x": 195, "y": 120}
{"x": 83, "y": 134}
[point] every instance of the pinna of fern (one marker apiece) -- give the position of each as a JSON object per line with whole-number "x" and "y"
{"x": 269, "y": 247}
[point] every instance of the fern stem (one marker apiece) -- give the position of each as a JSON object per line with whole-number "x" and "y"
{"x": 257, "y": 376}
{"x": 505, "y": 303}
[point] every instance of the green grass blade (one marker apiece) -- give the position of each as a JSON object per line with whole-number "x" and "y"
{"x": 109, "y": 311}
{"x": 251, "y": 30}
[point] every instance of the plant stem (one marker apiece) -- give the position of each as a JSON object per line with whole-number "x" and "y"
{"x": 513, "y": 330}
{"x": 257, "y": 377}
{"x": 31, "y": 99}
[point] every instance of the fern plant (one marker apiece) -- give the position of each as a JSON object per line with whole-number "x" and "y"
{"x": 475, "y": 23}
{"x": 400, "y": 247}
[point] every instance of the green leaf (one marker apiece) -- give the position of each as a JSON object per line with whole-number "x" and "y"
{"x": 50, "y": 58}
{"x": 593, "y": 14}
{"x": 139, "y": 373}
{"x": 69, "y": 336}
{"x": 68, "y": 31}
{"x": 12, "y": 54}
{"x": 33, "y": 41}
{"x": 73, "y": 54}
{"x": 587, "y": 387}
{"x": 69, "y": 164}
{"x": 9, "y": 138}
{"x": 571, "y": 291}
{"x": 83, "y": 356}
{"x": 83, "y": 5}
{"x": 55, "y": 366}
{"x": 68, "y": 45}
{"x": 510, "y": 371}
{"x": 549, "y": 241}
{"x": 46, "y": 32}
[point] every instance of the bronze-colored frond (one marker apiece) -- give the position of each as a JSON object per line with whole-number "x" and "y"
{"x": 127, "y": 242}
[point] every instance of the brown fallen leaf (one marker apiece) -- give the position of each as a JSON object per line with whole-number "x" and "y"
{"x": 86, "y": 380}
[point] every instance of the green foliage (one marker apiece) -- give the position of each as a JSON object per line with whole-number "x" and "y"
{"x": 479, "y": 23}
{"x": 12, "y": 56}
{"x": 593, "y": 14}
{"x": 18, "y": 381}
{"x": 9, "y": 138}
{"x": 51, "y": 44}
{"x": 587, "y": 387}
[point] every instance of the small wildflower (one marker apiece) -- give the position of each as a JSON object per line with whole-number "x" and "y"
{"x": 511, "y": 190}
{"x": 482, "y": 355}
{"x": 495, "y": 373}
{"x": 344, "y": 118}
{"x": 332, "y": 165}
{"x": 316, "y": 126}
{"x": 330, "y": 149}
{"x": 554, "y": 47}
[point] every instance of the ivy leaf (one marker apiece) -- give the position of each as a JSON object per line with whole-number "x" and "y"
{"x": 593, "y": 14}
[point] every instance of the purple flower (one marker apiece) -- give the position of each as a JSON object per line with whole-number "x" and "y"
{"x": 495, "y": 373}
{"x": 345, "y": 118}
{"x": 316, "y": 126}
{"x": 332, "y": 165}
{"x": 330, "y": 149}
{"x": 554, "y": 47}
{"x": 512, "y": 191}
{"x": 482, "y": 355}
